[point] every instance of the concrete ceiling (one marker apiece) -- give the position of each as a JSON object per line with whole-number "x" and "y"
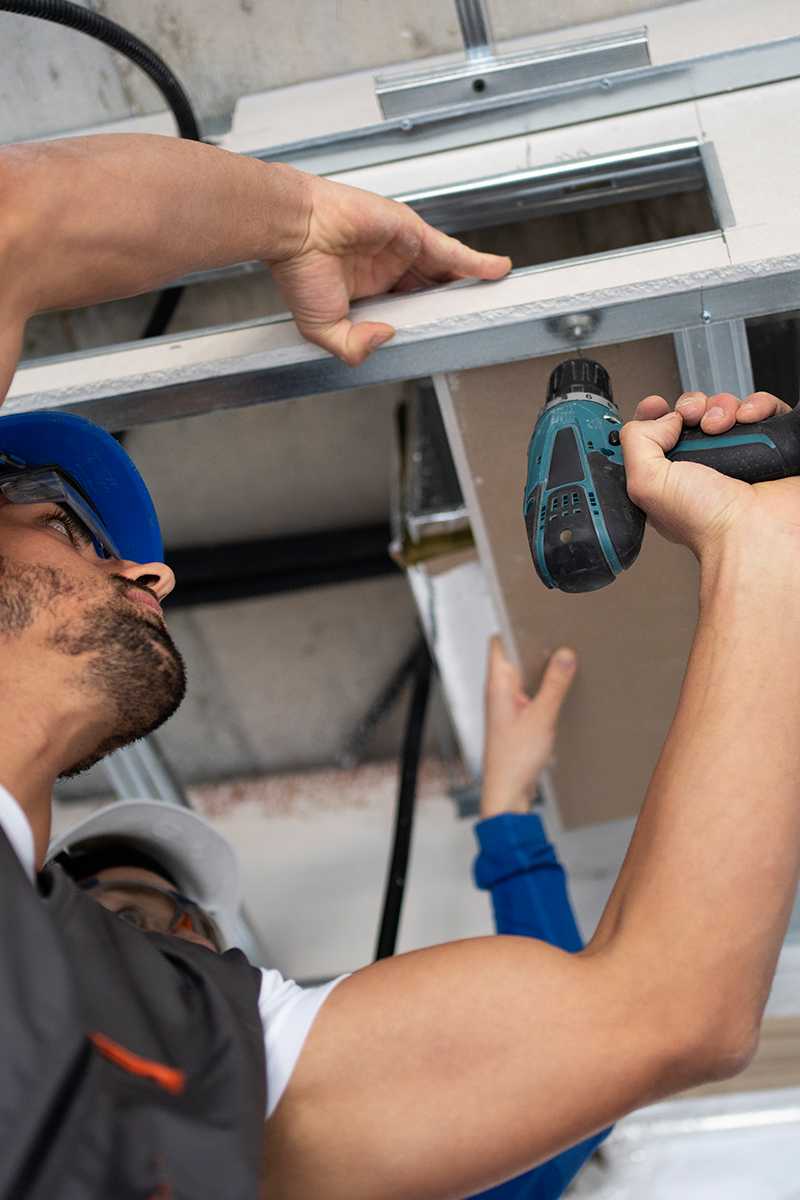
{"x": 224, "y": 49}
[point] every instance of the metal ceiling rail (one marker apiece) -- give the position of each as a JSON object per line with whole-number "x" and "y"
{"x": 715, "y": 357}
{"x": 450, "y": 328}
{"x": 634, "y": 174}
{"x": 550, "y": 107}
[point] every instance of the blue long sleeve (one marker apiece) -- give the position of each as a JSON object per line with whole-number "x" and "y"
{"x": 518, "y": 866}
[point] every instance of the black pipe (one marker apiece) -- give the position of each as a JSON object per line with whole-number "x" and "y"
{"x": 270, "y": 566}
{"x": 103, "y": 29}
{"x": 406, "y": 804}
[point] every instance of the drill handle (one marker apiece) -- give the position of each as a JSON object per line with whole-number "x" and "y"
{"x": 753, "y": 453}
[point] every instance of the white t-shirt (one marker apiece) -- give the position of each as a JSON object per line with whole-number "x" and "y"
{"x": 287, "y": 1011}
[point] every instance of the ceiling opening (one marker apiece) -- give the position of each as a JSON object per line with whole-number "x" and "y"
{"x": 569, "y": 210}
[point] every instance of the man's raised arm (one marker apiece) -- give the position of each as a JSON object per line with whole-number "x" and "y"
{"x": 441, "y": 1072}
{"x": 88, "y": 219}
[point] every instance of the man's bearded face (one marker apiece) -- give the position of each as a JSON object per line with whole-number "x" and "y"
{"x": 72, "y": 604}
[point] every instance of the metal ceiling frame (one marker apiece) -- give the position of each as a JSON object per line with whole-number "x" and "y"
{"x": 715, "y": 357}
{"x": 707, "y": 280}
{"x": 640, "y": 173}
{"x": 550, "y": 107}
{"x": 452, "y": 328}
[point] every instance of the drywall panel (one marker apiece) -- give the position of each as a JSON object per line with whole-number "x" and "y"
{"x": 457, "y": 612}
{"x": 764, "y": 190}
{"x": 632, "y": 638}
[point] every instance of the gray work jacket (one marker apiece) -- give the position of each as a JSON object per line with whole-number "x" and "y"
{"x": 131, "y": 1064}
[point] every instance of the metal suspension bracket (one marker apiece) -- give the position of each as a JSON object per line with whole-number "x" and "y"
{"x": 484, "y": 79}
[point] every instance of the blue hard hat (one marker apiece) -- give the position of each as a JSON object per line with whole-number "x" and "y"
{"x": 100, "y": 467}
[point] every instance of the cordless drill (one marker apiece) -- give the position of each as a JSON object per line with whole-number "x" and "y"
{"x": 583, "y": 529}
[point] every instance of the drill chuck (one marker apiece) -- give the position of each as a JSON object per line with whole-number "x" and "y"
{"x": 579, "y": 375}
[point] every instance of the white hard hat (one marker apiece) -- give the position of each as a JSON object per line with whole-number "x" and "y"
{"x": 200, "y": 860}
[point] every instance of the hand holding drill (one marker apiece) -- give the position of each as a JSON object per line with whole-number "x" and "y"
{"x": 583, "y": 516}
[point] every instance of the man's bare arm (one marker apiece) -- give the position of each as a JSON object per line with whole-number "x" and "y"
{"x": 695, "y": 409}
{"x": 114, "y": 215}
{"x": 88, "y": 219}
{"x": 443, "y": 1071}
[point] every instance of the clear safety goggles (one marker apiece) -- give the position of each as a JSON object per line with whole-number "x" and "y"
{"x": 153, "y": 909}
{"x": 21, "y": 484}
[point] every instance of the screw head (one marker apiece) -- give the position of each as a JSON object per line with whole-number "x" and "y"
{"x": 577, "y": 325}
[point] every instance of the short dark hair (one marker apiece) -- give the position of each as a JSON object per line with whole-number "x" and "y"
{"x": 84, "y": 860}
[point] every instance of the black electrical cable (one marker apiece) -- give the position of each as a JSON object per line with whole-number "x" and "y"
{"x": 84, "y": 20}
{"x": 406, "y": 803}
{"x": 355, "y": 746}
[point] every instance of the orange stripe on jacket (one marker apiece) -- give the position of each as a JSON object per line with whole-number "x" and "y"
{"x": 169, "y": 1078}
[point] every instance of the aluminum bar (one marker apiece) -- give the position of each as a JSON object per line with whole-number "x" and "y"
{"x": 715, "y": 357}
{"x": 449, "y": 328}
{"x": 476, "y": 27}
{"x": 636, "y": 174}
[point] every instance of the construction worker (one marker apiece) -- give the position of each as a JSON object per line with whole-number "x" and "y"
{"x": 133, "y": 1062}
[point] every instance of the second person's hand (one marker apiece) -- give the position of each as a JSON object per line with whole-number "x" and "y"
{"x": 520, "y": 729}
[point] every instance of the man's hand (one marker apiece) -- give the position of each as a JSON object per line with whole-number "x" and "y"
{"x": 358, "y": 244}
{"x": 520, "y": 730}
{"x": 693, "y": 504}
{"x": 162, "y": 207}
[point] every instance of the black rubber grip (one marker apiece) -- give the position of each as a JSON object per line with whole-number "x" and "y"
{"x": 754, "y": 460}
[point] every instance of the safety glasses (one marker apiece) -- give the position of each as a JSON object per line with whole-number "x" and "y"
{"x": 151, "y": 908}
{"x": 21, "y": 484}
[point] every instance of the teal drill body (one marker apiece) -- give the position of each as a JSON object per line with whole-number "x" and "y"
{"x": 583, "y": 529}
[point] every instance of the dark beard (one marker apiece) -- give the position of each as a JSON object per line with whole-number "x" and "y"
{"x": 131, "y": 660}
{"x": 134, "y": 663}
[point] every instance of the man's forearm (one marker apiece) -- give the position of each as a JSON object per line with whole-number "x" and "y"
{"x": 711, "y": 873}
{"x": 92, "y": 219}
